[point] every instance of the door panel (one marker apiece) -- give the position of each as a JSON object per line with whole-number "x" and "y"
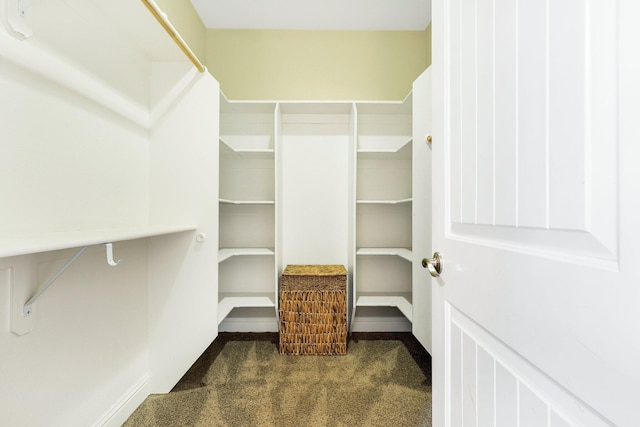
{"x": 527, "y": 189}
{"x": 489, "y": 382}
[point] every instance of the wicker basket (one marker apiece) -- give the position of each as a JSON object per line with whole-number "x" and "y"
{"x": 313, "y": 310}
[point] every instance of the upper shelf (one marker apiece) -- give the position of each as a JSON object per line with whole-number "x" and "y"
{"x": 226, "y": 253}
{"x": 247, "y": 202}
{"x": 383, "y": 202}
{"x": 258, "y": 146}
{"x": 384, "y": 146}
{"x": 44, "y": 242}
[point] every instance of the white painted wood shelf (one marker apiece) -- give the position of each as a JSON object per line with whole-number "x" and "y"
{"x": 247, "y": 202}
{"x": 384, "y": 202}
{"x": 382, "y": 143}
{"x": 44, "y": 242}
{"x": 256, "y": 152}
{"x": 229, "y": 301}
{"x": 226, "y": 253}
{"x": 403, "y": 253}
{"x": 402, "y": 301}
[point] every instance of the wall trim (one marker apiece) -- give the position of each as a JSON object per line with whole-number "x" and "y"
{"x": 126, "y": 405}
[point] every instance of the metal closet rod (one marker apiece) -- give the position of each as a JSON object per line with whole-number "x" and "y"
{"x": 161, "y": 17}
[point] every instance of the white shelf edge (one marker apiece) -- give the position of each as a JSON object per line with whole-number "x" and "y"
{"x": 226, "y": 253}
{"x": 400, "y": 301}
{"x": 45, "y": 242}
{"x": 375, "y": 151}
{"x": 246, "y": 150}
{"x": 400, "y": 252}
{"x": 247, "y": 202}
{"x": 230, "y": 301}
{"x": 397, "y": 147}
{"x": 384, "y": 202}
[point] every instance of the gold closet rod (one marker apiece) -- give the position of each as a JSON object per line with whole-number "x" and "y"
{"x": 161, "y": 17}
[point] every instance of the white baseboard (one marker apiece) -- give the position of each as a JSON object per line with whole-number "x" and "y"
{"x": 123, "y": 408}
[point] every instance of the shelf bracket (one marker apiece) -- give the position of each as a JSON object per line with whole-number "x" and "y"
{"x": 27, "y": 309}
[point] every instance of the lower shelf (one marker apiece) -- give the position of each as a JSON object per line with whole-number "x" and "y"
{"x": 229, "y": 301}
{"x": 401, "y": 301}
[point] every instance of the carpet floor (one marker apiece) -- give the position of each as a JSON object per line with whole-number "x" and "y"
{"x": 242, "y": 380}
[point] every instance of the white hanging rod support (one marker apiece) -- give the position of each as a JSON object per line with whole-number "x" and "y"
{"x": 161, "y": 17}
{"x": 110, "y": 260}
{"x": 27, "y": 309}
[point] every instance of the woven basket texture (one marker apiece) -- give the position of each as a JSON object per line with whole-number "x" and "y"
{"x": 313, "y": 310}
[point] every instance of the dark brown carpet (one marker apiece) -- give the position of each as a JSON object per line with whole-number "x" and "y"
{"x": 242, "y": 380}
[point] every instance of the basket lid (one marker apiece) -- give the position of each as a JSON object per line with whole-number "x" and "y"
{"x": 314, "y": 270}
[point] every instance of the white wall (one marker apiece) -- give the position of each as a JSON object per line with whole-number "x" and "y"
{"x": 69, "y": 163}
{"x": 88, "y": 348}
{"x": 75, "y": 155}
{"x": 314, "y": 199}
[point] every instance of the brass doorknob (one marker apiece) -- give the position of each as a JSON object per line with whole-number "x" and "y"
{"x": 429, "y": 139}
{"x": 434, "y": 265}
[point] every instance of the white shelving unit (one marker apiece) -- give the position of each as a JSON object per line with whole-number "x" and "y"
{"x": 246, "y": 255}
{"x": 316, "y": 183}
{"x": 384, "y": 194}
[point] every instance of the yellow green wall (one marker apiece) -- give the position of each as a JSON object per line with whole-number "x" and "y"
{"x": 427, "y": 42}
{"x": 315, "y": 65}
{"x": 305, "y": 65}
{"x": 185, "y": 19}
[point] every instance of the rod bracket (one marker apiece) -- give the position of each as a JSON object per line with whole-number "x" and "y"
{"x": 110, "y": 261}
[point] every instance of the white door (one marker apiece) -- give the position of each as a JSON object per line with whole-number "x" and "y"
{"x": 421, "y": 226}
{"x": 536, "y": 210}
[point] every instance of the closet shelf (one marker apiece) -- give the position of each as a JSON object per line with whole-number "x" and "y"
{"x": 400, "y": 252}
{"x": 247, "y": 202}
{"x": 44, "y": 242}
{"x": 226, "y": 253}
{"x": 402, "y": 301}
{"x": 255, "y": 146}
{"x": 229, "y": 301}
{"x": 383, "y": 144}
{"x": 384, "y": 202}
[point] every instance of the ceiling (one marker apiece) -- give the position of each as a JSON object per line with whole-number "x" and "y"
{"x": 381, "y": 15}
